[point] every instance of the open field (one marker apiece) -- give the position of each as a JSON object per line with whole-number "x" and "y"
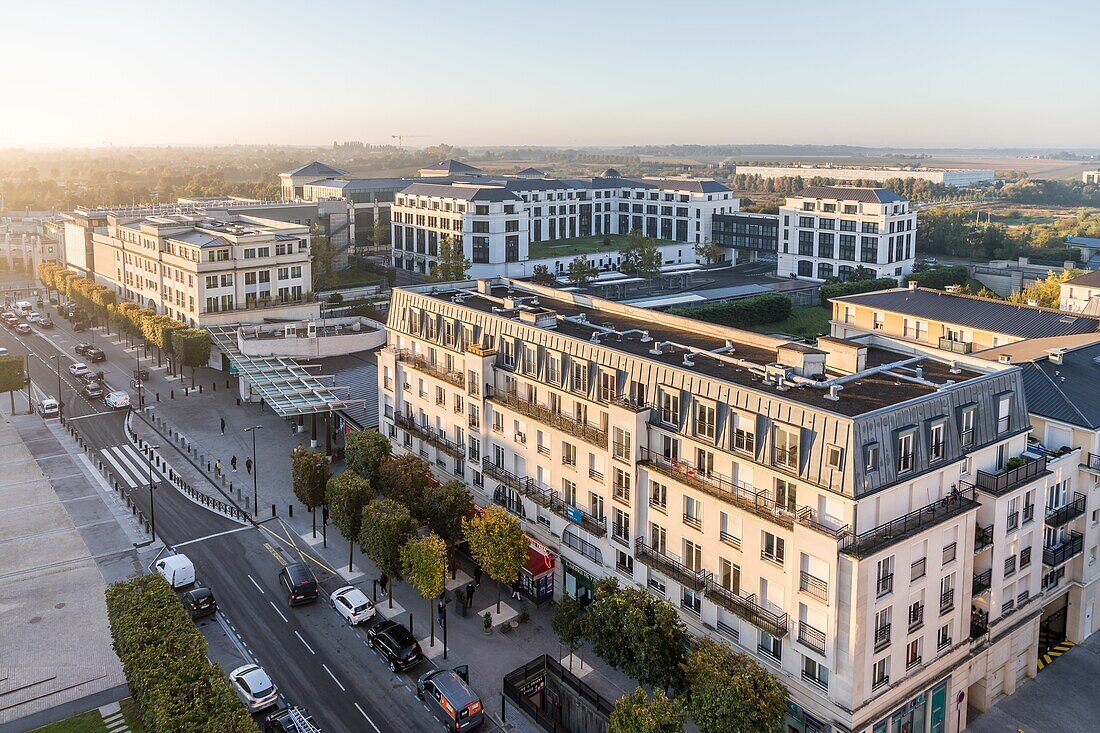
{"x": 575, "y": 246}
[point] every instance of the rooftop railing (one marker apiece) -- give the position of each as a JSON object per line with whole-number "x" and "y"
{"x": 867, "y": 543}
{"x": 583, "y": 430}
{"x": 1010, "y": 478}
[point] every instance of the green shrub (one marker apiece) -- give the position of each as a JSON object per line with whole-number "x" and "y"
{"x": 163, "y": 656}
{"x": 839, "y": 290}
{"x": 940, "y": 277}
{"x": 752, "y": 311}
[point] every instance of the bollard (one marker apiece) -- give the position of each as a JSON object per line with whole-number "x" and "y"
{"x": 273, "y": 511}
{"x": 230, "y": 487}
{"x": 290, "y": 510}
{"x": 208, "y": 467}
{"x": 246, "y": 503}
{"x": 410, "y": 623}
{"x": 172, "y": 394}
{"x": 200, "y": 389}
{"x": 158, "y": 396}
{"x": 186, "y": 391}
{"x": 214, "y": 386}
{"x": 238, "y": 402}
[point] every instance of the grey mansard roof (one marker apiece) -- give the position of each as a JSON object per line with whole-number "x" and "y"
{"x": 1065, "y": 392}
{"x": 465, "y": 193}
{"x": 316, "y": 168}
{"x": 851, "y": 193}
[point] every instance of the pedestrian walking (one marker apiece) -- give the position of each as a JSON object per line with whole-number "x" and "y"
{"x": 233, "y": 463}
{"x": 384, "y": 581}
{"x": 515, "y": 589}
{"x": 477, "y": 574}
{"x": 441, "y": 612}
{"x": 223, "y": 425}
{"x": 218, "y": 467}
{"x": 248, "y": 465}
{"x": 470, "y": 587}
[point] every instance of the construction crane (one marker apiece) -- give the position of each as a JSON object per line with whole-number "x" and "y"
{"x": 401, "y": 139}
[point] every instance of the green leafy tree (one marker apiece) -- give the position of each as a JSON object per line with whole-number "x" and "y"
{"x": 346, "y": 495}
{"x": 380, "y": 232}
{"x": 541, "y": 274}
{"x": 638, "y": 633}
{"x": 582, "y": 271}
{"x": 730, "y": 692}
{"x": 568, "y": 624}
{"x": 862, "y": 274}
{"x": 322, "y": 253}
{"x": 192, "y": 348}
{"x": 443, "y": 507}
{"x": 453, "y": 264}
{"x": 1047, "y": 292}
{"x": 364, "y": 451}
{"x": 639, "y": 713}
{"x": 497, "y": 544}
{"x": 404, "y": 478}
{"x": 387, "y": 526}
{"x": 640, "y": 255}
{"x": 11, "y": 377}
{"x": 708, "y": 250}
{"x": 309, "y": 474}
{"x": 424, "y": 562}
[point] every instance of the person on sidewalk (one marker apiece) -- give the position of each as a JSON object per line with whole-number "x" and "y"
{"x": 470, "y": 587}
{"x": 441, "y": 613}
{"x": 477, "y": 574}
{"x": 248, "y": 465}
{"x": 233, "y": 463}
{"x": 515, "y": 589}
{"x": 218, "y": 467}
{"x": 383, "y": 582}
{"x": 223, "y": 425}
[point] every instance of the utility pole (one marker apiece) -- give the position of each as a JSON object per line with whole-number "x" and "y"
{"x": 255, "y": 471}
{"x": 152, "y": 509}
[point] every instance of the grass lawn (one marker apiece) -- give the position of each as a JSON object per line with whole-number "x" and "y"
{"x": 351, "y": 277}
{"x": 576, "y": 246}
{"x": 90, "y": 722}
{"x": 807, "y": 321}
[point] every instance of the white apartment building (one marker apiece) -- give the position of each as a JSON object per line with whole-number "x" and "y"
{"x": 1092, "y": 177}
{"x": 829, "y": 231}
{"x": 945, "y": 176}
{"x": 205, "y": 271}
{"x": 844, "y": 513}
{"x": 498, "y": 219}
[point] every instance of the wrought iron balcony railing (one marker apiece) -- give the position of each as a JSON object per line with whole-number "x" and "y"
{"x": 999, "y": 482}
{"x": 811, "y": 637}
{"x": 747, "y": 608}
{"x": 1070, "y": 547}
{"x": 1072, "y": 510}
{"x": 959, "y": 501}
{"x": 669, "y": 565}
{"x": 429, "y": 435}
{"x": 982, "y": 582}
{"x": 983, "y": 537}
{"x": 567, "y": 424}
{"x": 813, "y": 586}
{"x": 419, "y": 363}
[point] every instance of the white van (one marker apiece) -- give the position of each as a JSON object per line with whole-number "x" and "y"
{"x": 178, "y": 570}
{"x": 117, "y": 400}
{"x": 23, "y": 307}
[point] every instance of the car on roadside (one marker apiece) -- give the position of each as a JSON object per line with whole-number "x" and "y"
{"x": 200, "y": 602}
{"x": 94, "y": 353}
{"x": 300, "y": 583}
{"x": 117, "y": 400}
{"x": 82, "y": 348}
{"x": 49, "y": 408}
{"x": 450, "y": 699}
{"x": 352, "y": 604}
{"x": 45, "y": 322}
{"x": 79, "y": 369}
{"x": 291, "y": 720}
{"x": 33, "y": 317}
{"x": 254, "y": 687}
{"x": 398, "y": 647}
{"x": 23, "y": 328}
{"x": 3, "y": 351}
{"x": 92, "y": 390}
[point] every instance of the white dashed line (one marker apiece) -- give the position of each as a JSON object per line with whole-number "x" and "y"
{"x": 305, "y": 642}
{"x": 372, "y": 725}
{"x": 342, "y": 688}
{"x": 284, "y": 618}
{"x": 257, "y": 586}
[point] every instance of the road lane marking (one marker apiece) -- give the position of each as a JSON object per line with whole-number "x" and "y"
{"x": 284, "y": 618}
{"x": 256, "y": 584}
{"x": 372, "y": 725}
{"x": 342, "y": 688}
{"x": 212, "y": 536}
{"x": 303, "y": 555}
{"x": 305, "y": 642}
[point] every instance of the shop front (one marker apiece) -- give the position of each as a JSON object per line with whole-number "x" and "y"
{"x": 797, "y": 719}
{"x": 925, "y": 713}
{"x": 577, "y": 582}
{"x": 537, "y": 575}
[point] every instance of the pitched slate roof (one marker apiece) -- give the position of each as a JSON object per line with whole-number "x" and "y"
{"x": 1089, "y": 279}
{"x": 465, "y": 193}
{"x": 997, "y": 316}
{"x": 530, "y": 172}
{"x": 851, "y": 193}
{"x": 452, "y": 167}
{"x": 1067, "y": 391}
{"x": 316, "y": 168}
{"x": 1084, "y": 241}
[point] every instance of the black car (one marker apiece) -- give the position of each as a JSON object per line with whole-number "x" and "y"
{"x": 300, "y": 583}
{"x": 95, "y": 354}
{"x": 396, "y": 644}
{"x": 93, "y": 390}
{"x": 45, "y": 323}
{"x": 82, "y": 348}
{"x": 289, "y": 720}
{"x": 200, "y": 602}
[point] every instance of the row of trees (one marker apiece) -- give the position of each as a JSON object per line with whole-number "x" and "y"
{"x": 164, "y": 659}
{"x": 962, "y": 232}
{"x": 642, "y": 635}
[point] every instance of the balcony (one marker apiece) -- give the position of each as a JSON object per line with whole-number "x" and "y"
{"x": 669, "y": 565}
{"x": 811, "y": 638}
{"x": 982, "y": 582}
{"x": 629, "y": 403}
{"x": 983, "y": 537}
{"x": 959, "y": 501}
{"x": 1011, "y": 478}
{"x": 428, "y": 435}
{"x": 807, "y": 517}
{"x": 739, "y": 494}
{"x": 882, "y": 637}
{"x": 1072, "y": 510}
{"x": 956, "y": 347}
{"x": 1093, "y": 462}
{"x": 1070, "y": 547}
{"x": 813, "y": 586}
{"x": 916, "y": 618}
{"x": 747, "y": 608}
{"x": 421, "y": 364}
{"x": 522, "y": 484}
{"x": 578, "y": 429}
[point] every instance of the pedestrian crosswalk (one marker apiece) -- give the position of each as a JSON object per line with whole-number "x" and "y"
{"x": 129, "y": 465}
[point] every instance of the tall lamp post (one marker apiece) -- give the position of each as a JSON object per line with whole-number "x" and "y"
{"x": 60, "y": 404}
{"x": 255, "y": 471}
{"x": 152, "y": 508}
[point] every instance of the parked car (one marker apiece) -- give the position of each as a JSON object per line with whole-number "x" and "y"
{"x": 178, "y": 570}
{"x": 94, "y": 353}
{"x": 33, "y": 317}
{"x": 82, "y": 348}
{"x": 45, "y": 323}
{"x": 49, "y": 408}
{"x": 79, "y": 369}
{"x": 200, "y": 602}
{"x": 290, "y": 720}
{"x": 352, "y": 604}
{"x": 23, "y": 328}
{"x": 3, "y": 351}
{"x": 254, "y": 687}
{"x": 450, "y": 699}
{"x": 300, "y": 583}
{"x": 117, "y": 400}
{"x": 92, "y": 390}
{"x": 396, "y": 644}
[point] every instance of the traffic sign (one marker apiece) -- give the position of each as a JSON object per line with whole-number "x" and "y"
{"x": 136, "y": 383}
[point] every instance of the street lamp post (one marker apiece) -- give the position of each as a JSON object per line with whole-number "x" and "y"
{"x": 255, "y": 471}
{"x": 152, "y": 507}
{"x": 60, "y": 403}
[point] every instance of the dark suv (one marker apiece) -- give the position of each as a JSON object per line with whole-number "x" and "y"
{"x": 200, "y": 602}
{"x": 396, "y": 644}
{"x": 300, "y": 583}
{"x": 290, "y": 720}
{"x": 95, "y": 353}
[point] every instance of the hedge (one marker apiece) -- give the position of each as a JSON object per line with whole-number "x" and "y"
{"x": 940, "y": 277}
{"x": 163, "y": 656}
{"x": 758, "y": 309}
{"x": 838, "y": 290}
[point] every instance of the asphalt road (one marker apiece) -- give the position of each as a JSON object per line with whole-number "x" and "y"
{"x": 315, "y": 659}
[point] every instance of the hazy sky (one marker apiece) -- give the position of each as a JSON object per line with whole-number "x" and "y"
{"x": 960, "y": 73}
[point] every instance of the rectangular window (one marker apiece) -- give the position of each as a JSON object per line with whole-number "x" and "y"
{"x": 771, "y": 547}
{"x": 621, "y": 445}
{"x": 704, "y": 421}
{"x": 693, "y": 512}
{"x": 943, "y": 637}
{"x": 658, "y": 495}
{"x": 880, "y": 673}
{"x": 1004, "y": 406}
{"x": 785, "y": 495}
{"x": 729, "y": 529}
{"x": 607, "y": 386}
{"x": 885, "y": 575}
{"x": 580, "y": 377}
{"x": 569, "y": 492}
{"x": 935, "y": 442}
{"x": 621, "y": 484}
{"x": 670, "y": 408}
{"x": 966, "y": 426}
{"x": 553, "y": 369}
{"x": 905, "y": 452}
{"x": 834, "y": 457}
{"x": 786, "y": 447}
{"x": 568, "y": 454}
{"x": 882, "y": 628}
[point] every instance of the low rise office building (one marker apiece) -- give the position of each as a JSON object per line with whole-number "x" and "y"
{"x": 850, "y": 515}
{"x": 946, "y": 176}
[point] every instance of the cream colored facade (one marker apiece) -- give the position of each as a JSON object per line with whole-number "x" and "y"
{"x": 208, "y": 272}
{"x": 817, "y": 507}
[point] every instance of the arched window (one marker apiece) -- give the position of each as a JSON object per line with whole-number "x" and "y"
{"x": 824, "y": 270}
{"x": 805, "y": 268}
{"x": 844, "y": 272}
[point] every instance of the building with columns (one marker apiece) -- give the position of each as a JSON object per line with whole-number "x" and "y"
{"x": 850, "y": 514}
